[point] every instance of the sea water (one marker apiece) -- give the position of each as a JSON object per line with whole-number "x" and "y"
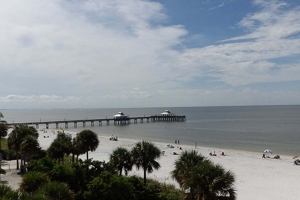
{"x": 249, "y": 128}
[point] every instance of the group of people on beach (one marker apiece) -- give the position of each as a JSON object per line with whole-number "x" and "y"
{"x": 214, "y": 154}
{"x": 266, "y": 156}
{"x": 296, "y": 162}
{"x": 44, "y": 130}
{"x": 173, "y": 153}
{"x": 113, "y": 138}
{"x": 171, "y": 146}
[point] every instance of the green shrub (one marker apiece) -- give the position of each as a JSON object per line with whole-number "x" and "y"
{"x": 61, "y": 173}
{"x": 109, "y": 186}
{"x": 4, "y": 189}
{"x": 39, "y": 154}
{"x": 166, "y": 191}
{"x": 57, "y": 191}
{"x": 8, "y": 154}
{"x": 32, "y": 181}
{"x": 45, "y": 164}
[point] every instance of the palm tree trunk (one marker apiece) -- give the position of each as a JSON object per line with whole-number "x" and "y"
{"x": 87, "y": 155}
{"x": 17, "y": 160}
{"x": 121, "y": 172}
{"x": 145, "y": 176}
{"x": 73, "y": 158}
{"x": 21, "y": 161}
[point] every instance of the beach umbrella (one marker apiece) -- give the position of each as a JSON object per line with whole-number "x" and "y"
{"x": 267, "y": 151}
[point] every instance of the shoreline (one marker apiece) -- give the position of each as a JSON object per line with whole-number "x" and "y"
{"x": 256, "y": 177}
{"x": 253, "y": 128}
{"x": 199, "y": 147}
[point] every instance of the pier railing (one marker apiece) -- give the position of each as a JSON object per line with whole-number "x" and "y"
{"x": 116, "y": 121}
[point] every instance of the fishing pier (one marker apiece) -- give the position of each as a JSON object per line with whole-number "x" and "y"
{"x": 108, "y": 121}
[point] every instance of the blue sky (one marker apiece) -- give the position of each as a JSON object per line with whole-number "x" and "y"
{"x": 163, "y": 53}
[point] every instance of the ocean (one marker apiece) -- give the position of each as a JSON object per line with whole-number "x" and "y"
{"x": 246, "y": 128}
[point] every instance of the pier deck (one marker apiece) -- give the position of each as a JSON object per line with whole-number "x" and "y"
{"x": 116, "y": 121}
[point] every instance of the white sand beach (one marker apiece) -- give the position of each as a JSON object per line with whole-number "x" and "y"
{"x": 256, "y": 177}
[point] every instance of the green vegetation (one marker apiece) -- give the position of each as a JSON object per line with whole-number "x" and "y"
{"x": 3, "y": 132}
{"x": 60, "y": 147}
{"x": 33, "y": 181}
{"x": 49, "y": 175}
{"x": 17, "y": 140}
{"x": 3, "y": 129}
{"x": 57, "y": 191}
{"x": 4, "y": 146}
{"x": 202, "y": 179}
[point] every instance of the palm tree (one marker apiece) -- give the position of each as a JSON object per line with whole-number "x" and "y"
{"x": 184, "y": 164}
{"x": 88, "y": 141}
{"x": 1, "y": 116}
{"x": 61, "y": 146}
{"x": 57, "y": 150}
{"x": 3, "y": 128}
{"x": 14, "y": 141}
{"x": 202, "y": 178}
{"x": 29, "y": 146}
{"x": 212, "y": 182}
{"x": 144, "y": 154}
{"x": 17, "y": 136}
{"x": 3, "y": 131}
{"x": 76, "y": 149}
{"x": 67, "y": 142}
{"x": 121, "y": 159}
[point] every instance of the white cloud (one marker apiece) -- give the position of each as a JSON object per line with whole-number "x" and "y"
{"x": 213, "y": 4}
{"x": 37, "y": 98}
{"x": 251, "y": 58}
{"x": 92, "y": 53}
{"x": 88, "y": 44}
{"x": 273, "y": 22}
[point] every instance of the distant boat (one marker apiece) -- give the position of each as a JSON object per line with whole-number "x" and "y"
{"x": 166, "y": 113}
{"x": 120, "y": 115}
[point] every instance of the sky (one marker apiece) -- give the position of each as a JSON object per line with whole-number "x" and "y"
{"x": 148, "y": 53}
